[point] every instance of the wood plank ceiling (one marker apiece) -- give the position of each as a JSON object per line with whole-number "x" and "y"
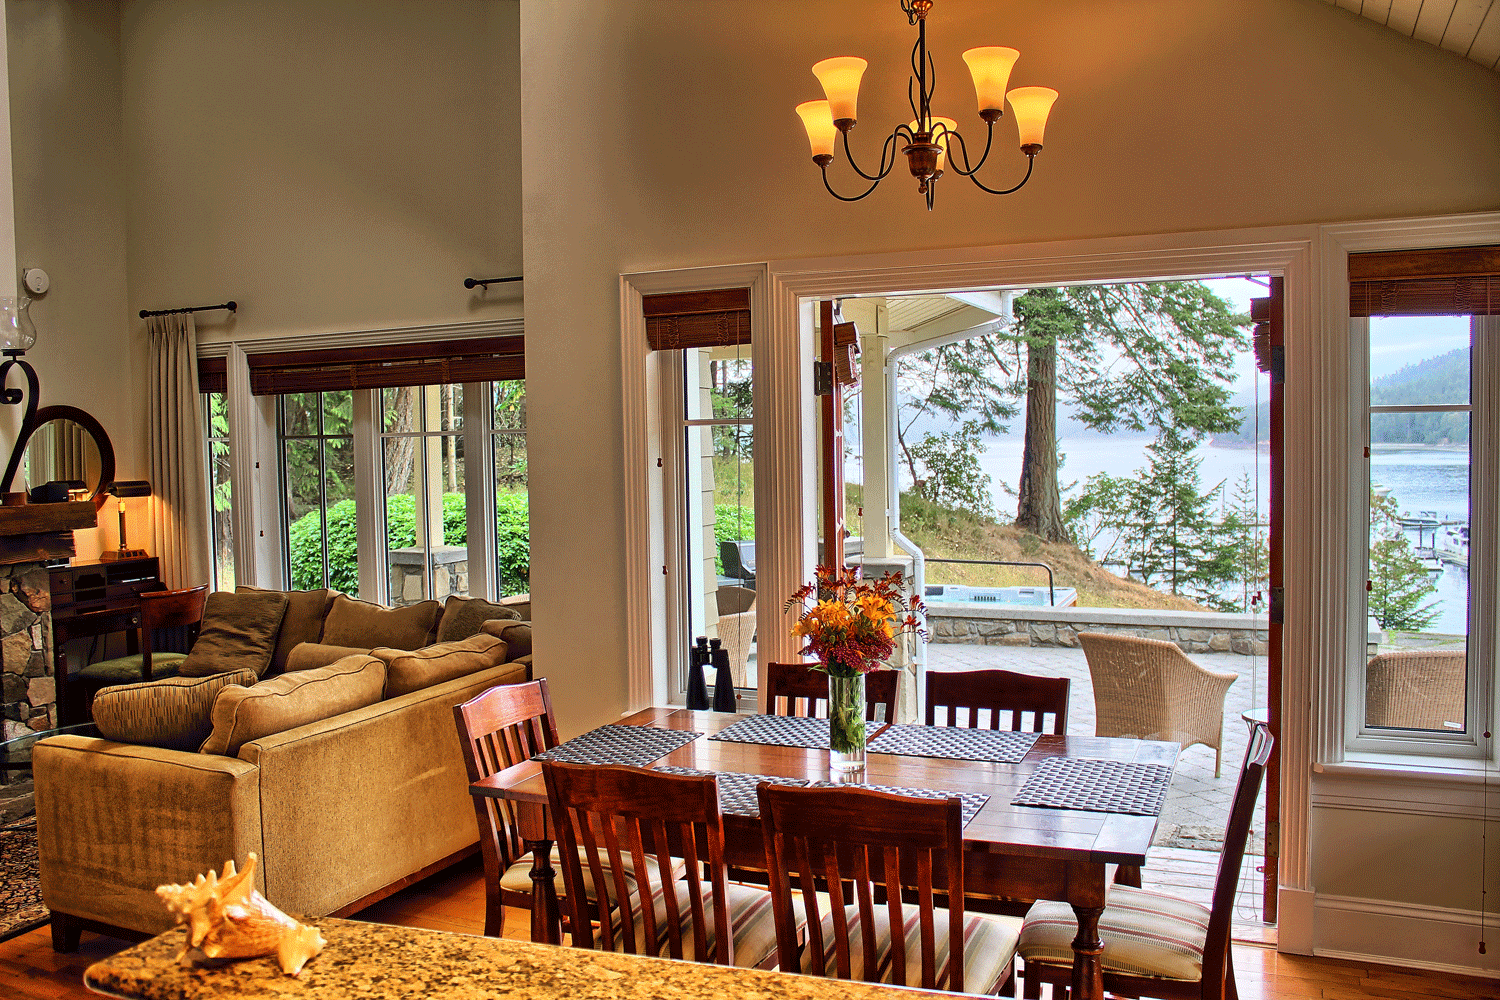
{"x": 1470, "y": 28}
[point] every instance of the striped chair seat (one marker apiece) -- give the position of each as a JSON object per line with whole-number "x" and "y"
{"x": 989, "y": 945}
{"x": 1145, "y": 934}
{"x": 750, "y": 914}
{"x": 517, "y": 878}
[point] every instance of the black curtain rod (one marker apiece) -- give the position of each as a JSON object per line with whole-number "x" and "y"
{"x": 487, "y": 282}
{"x": 231, "y": 305}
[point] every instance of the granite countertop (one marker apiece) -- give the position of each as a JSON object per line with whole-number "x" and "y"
{"x": 365, "y": 961}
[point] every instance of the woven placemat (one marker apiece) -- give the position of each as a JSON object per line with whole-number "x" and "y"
{"x": 1096, "y": 786}
{"x": 954, "y": 744}
{"x": 632, "y": 746}
{"x": 777, "y": 730}
{"x": 736, "y": 791}
{"x": 972, "y": 801}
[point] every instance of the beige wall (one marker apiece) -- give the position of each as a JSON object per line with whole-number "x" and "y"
{"x": 661, "y": 135}
{"x": 64, "y": 72}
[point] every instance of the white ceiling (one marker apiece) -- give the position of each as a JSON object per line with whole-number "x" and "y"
{"x": 1470, "y": 28}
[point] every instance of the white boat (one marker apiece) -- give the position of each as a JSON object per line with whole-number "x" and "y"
{"x": 1451, "y": 545}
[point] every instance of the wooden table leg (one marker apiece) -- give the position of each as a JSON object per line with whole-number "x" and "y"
{"x": 1129, "y": 875}
{"x": 546, "y": 925}
{"x": 1088, "y": 969}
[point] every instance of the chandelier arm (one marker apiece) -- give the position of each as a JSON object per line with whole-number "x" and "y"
{"x": 1030, "y": 162}
{"x": 963, "y": 147}
{"x": 887, "y": 148}
{"x": 841, "y": 197}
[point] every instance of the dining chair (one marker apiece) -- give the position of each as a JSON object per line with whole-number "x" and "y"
{"x": 159, "y": 610}
{"x": 1156, "y": 945}
{"x": 1020, "y": 696}
{"x": 500, "y": 728}
{"x": 602, "y": 812}
{"x": 1148, "y": 689}
{"x": 798, "y": 689}
{"x": 849, "y": 840}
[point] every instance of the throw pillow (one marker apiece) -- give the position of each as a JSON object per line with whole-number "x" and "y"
{"x": 238, "y": 632}
{"x": 364, "y": 625}
{"x": 311, "y": 655}
{"x": 303, "y": 622}
{"x": 175, "y": 712}
{"x": 516, "y": 635}
{"x": 406, "y": 672}
{"x": 243, "y": 715}
{"x": 463, "y": 616}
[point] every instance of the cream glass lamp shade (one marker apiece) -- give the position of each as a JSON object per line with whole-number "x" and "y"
{"x": 819, "y": 124}
{"x": 990, "y": 66}
{"x": 940, "y": 137}
{"x": 1031, "y": 105}
{"x": 840, "y": 78}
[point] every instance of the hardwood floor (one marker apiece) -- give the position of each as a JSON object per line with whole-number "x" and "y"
{"x": 454, "y": 901}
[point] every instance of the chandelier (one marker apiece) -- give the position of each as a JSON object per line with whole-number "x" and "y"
{"x": 932, "y": 145}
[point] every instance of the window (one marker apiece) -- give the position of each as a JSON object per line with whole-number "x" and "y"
{"x": 512, "y": 524}
{"x": 221, "y": 522}
{"x": 426, "y": 551}
{"x": 316, "y": 450}
{"x": 1432, "y": 406}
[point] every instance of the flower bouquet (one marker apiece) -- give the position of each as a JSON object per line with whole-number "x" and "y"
{"x": 851, "y": 627}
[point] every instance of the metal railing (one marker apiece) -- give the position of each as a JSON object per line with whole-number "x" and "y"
{"x": 1051, "y": 589}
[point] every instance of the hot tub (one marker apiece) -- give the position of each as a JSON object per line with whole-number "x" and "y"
{"x": 1026, "y": 597}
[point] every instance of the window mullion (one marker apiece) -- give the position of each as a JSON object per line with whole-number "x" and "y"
{"x": 479, "y": 490}
{"x": 369, "y": 497}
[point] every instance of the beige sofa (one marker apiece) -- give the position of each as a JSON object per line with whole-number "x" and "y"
{"x": 341, "y": 811}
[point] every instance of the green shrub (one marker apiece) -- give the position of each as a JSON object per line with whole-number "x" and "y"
{"x": 305, "y": 543}
{"x": 731, "y": 523}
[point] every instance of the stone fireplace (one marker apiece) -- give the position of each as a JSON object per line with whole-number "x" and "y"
{"x": 29, "y": 700}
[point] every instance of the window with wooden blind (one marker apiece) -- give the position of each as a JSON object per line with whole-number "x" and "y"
{"x": 685, "y": 320}
{"x": 446, "y": 362}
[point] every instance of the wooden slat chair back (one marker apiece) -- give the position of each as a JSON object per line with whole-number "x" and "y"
{"x": 845, "y": 840}
{"x": 500, "y": 728}
{"x": 1007, "y": 700}
{"x": 161, "y": 620}
{"x": 796, "y": 689}
{"x": 604, "y": 812}
{"x": 1217, "y": 979}
{"x": 163, "y": 609}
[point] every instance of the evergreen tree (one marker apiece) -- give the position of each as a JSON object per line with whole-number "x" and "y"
{"x": 1399, "y": 582}
{"x": 1247, "y": 542}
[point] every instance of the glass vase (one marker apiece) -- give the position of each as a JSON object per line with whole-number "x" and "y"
{"x": 846, "y": 723}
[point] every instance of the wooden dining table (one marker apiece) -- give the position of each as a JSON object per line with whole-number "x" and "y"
{"x": 1010, "y": 851}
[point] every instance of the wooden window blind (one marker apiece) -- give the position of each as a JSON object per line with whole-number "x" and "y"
{"x": 1461, "y": 281}
{"x": 485, "y": 359}
{"x": 213, "y": 375}
{"x": 716, "y": 318}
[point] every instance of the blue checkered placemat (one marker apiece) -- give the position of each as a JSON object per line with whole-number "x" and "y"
{"x": 632, "y": 746}
{"x": 777, "y": 730}
{"x": 1096, "y": 786}
{"x": 736, "y": 791}
{"x": 951, "y": 743}
{"x": 972, "y": 801}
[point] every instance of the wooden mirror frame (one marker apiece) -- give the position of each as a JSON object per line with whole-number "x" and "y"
{"x": 35, "y": 418}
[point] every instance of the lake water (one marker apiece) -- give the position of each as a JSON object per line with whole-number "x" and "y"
{"x": 1420, "y": 480}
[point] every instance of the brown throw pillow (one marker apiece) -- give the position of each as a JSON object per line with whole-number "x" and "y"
{"x": 243, "y": 715}
{"x": 311, "y": 655}
{"x": 463, "y": 616}
{"x": 303, "y": 622}
{"x": 174, "y": 712}
{"x": 516, "y": 635}
{"x": 364, "y": 625}
{"x": 406, "y": 672}
{"x": 238, "y": 633}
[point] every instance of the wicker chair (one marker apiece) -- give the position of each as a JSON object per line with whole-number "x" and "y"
{"x": 1416, "y": 690}
{"x": 1148, "y": 689}
{"x": 737, "y": 628}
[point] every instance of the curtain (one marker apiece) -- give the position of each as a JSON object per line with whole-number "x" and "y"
{"x": 179, "y": 477}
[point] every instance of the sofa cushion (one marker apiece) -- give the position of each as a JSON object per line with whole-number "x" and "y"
{"x": 242, "y": 715}
{"x": 311, "y": 655}
{"x": 463, "y": 616}
{"x": 174, "y": 712}
{"x": 406, "y": 672}
{"x": 364, "y": 625}
{"x": 238, "y": 633}
{"x": 303, "y": 621}
{"x": 517, "y": 636}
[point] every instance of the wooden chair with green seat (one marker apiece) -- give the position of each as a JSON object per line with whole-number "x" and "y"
{"x": 161, "y": 609}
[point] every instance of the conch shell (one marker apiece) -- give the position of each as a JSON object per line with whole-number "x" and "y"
{"x": 227, "y": 918}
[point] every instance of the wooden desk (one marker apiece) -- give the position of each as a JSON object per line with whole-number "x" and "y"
{"x": 92, "y": 599}
{"x": 1013, "y": 850}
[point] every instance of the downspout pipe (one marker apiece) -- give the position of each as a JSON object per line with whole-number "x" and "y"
{"x": 893, "y": 477}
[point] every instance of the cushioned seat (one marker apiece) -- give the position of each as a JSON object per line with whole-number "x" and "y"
{"x": 517, "y": 878}
{"x": 1145, "y": 934}
{"x": 128, "y": 669}
{"x": 750, "y": 914}
{"x": 989, "y": 944}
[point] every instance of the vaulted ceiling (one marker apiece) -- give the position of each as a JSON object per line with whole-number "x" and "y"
{"x": 1471, "y": 28}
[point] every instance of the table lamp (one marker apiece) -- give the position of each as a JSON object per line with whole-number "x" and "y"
{"x": 121, "y": 490}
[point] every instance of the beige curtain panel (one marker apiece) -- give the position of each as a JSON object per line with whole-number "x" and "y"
{"x": 179, "y": 477}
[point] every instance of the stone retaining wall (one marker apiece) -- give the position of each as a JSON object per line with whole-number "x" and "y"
{"x": 1193, "y": 632}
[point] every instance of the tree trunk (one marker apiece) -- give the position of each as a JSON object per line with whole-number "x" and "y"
{"x": 1039, "y": 510}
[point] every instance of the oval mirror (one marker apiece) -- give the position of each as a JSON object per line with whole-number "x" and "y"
{"x": 63, "y": 444}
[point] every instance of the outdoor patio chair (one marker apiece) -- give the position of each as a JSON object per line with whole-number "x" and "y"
{"x": 1416, "y": 689}
{"x": 1148, "y": 689}
{"x": 737, "y": 628}
{"x": 738, "y": 558}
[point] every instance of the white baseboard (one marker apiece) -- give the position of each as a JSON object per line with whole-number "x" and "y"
{"x": 1420, "y": 937}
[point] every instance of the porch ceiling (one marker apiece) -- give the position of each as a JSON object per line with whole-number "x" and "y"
{"x": 1470, "y": 28}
